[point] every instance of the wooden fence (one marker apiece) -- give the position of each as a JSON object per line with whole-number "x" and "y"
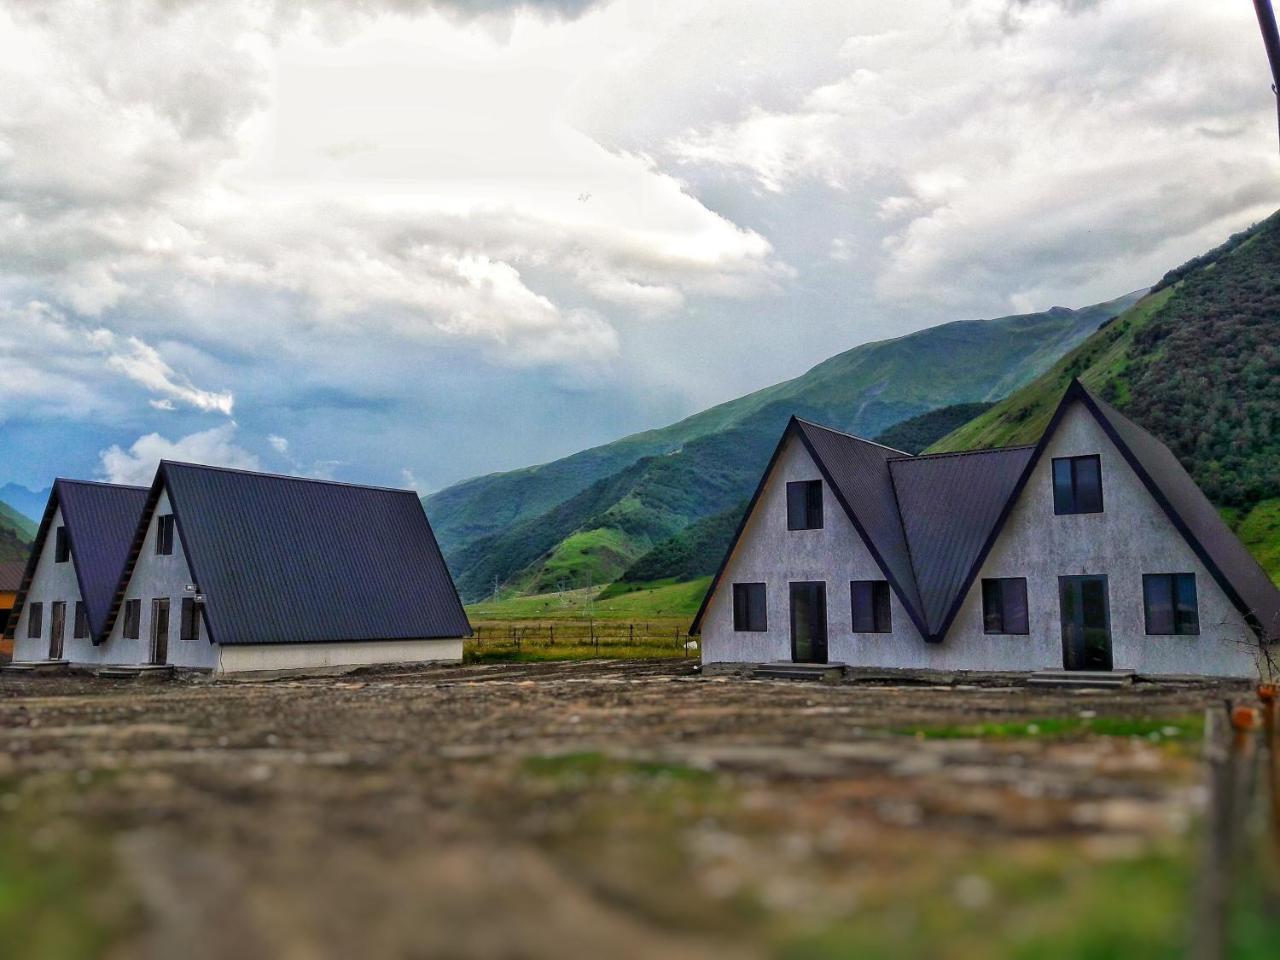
{"x": 601, "y": 636}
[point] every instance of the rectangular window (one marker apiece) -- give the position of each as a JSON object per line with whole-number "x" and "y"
{"x": 164, "y": 535}
{"x": 190, "y": 627}
{"x": 1077, "y": 485}
{"x": 871, "y": 609}
{"x": 81, "y": 629}
{"x": 132, "y": 619}
{"x": 35, "y": 621}
{"x": 1170, "y": 604}
{"x": 804, "y": 505}
{"x": 61, "y": 546}
{"x": 1004, "y": 605}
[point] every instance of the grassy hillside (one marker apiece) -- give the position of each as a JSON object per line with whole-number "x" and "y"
{"x": 662, "y": 600}
{"x": 1197, "y": 362}
{"x": 915, "y": 434}
{"x": 695, "y": 551}
{"x": 16, "y": 534}
{"x": 585, "y": 519}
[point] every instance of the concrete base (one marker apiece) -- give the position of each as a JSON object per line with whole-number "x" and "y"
{"x": 1081, "y": 678}
{"x": 783, "y": 670}
{"x": 146, "y": 671}
{"x": 39, "y": 666}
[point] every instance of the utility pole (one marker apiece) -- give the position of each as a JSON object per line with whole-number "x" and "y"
{"x": 1271, "y": 40}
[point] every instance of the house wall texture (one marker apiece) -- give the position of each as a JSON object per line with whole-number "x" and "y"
{"x": 157, "y": 577}
{"x": 770, "y": 553}
{"x": 51, "y": 581}
{"x": 238, "y": 658}
{"x": 1132, "y": 536}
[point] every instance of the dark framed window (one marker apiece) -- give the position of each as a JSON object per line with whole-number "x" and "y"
{"x": 61, "y": 546}
{"x": 190, "y": 625}
{"x": 1077, "y": 484}
{"x": 1004, "y": 605}
{"x": 35, "y": 621}
{"x": 132, "y": 619}
{"x": 869, "y": 601}
{"x": 1170, "y": 604}
{"x": 81, "y": 629}
{"x": 164, "y": 535}
{"x": 804, "y": 505}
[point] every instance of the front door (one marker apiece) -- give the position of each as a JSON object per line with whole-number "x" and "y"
{"x": 809, "y": 622}
{"x": 160, "y": 631}
{"x": 57, "y": 626}
{"x": 1086, "y": 623}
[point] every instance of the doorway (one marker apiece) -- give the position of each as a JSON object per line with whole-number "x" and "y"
{"x": 1086, "y": 623}
{"x": 809, "y": 622}
{"x": 160, "y": 631}
{"x": 57, "y": 627}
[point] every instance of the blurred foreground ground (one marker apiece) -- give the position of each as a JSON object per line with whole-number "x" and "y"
{"x": 599, "y": 809}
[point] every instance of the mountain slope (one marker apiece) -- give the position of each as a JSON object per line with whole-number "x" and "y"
{"x": 586, "y": 518}
{"x": 866, "y": 389}
{"x": 16, "y": 533}
{"x": 1196, "y": 362}
{"x": 28, "y": 503}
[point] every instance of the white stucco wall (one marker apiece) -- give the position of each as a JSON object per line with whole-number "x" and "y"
{"x": 237, "y": 658}
{"x": 1130, "y": 537}
{"x": 770, "y": 553}
{"x": 51, "y": 581}
{"x": 157, "y": 577}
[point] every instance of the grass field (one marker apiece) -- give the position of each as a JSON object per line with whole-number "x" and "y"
{"x": 661, "y": 601}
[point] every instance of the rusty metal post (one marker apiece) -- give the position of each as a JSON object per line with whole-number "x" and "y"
{"x": 1270, "y": 40}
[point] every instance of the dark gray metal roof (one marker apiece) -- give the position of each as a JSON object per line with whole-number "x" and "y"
{"x": 11, "y": 572}
{"x": 291, "y": 560}
{"x": 1230, "y": 562}
{"x": 100, "y": 519}
{"x": 949, "y": 505}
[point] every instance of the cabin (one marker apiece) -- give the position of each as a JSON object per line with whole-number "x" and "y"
{"x": 11, "y": 572}
{"x": 1092, "y": 550}
{"x": 232, "y": 571}
{"x": 70, "y": 578}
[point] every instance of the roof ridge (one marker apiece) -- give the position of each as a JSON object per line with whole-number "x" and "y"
{"x": 854, "y": 436}
{"x": 961, "y": 453}
{"x": 286, "y": 476}
{"x": 99, "y": 483}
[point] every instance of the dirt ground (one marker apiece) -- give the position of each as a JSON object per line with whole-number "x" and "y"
{"x": 619, "y": 809}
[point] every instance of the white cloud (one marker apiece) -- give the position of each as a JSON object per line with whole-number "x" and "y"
{"x": 138, "y": 464}
{"x": 278, "y": 444}
{"x": 144, "y": 365}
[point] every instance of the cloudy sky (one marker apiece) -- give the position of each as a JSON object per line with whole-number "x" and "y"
{"x": 406, "y": 241}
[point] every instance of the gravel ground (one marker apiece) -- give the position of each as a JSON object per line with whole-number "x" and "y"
{"x": 628, "y": 809}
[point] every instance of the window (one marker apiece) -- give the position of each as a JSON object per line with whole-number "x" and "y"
{"x": 190, "y": 627}
{"x": 164, "y": 535}
{"x": 870, "y": 601}
{"x": 1004, "y": 605}
{"x": 1077, "y": 484}
{"x": 35, "y": 621}
{"x": 132, "y": 619}
{"x": 804, "y": 505}
{"x": 81, "y": 629}
{"x": 61, "y": 546}
{"x": 1169, "y": 601}
{"x": 750, "y": 608}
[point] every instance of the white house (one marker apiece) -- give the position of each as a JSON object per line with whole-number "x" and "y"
{"x": 73, "y": 571}
{"x": 229, "y": 570}
{"x": 1093, "y": 550}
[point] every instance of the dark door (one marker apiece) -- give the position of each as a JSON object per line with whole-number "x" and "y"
{"x": 57, "y": 626}
{"x": 809, "y": 622}
{"x": 160, "y": 631}
{"x": 1086, "y": 623}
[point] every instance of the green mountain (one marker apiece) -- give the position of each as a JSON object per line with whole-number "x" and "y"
{"x": 912, "y": 436}
{"x": 1196, "y": 362}
{"x": 586, "y": 518}
{"x": 16, "y": 534}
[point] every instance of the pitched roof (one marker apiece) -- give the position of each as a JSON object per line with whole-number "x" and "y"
{"x": 291, "y": 560}
{"x": 930, "y": 521}
{"x": 949, "y": 504}
{"x": 100, "y": 519}
{"x": 11, "y": 575}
